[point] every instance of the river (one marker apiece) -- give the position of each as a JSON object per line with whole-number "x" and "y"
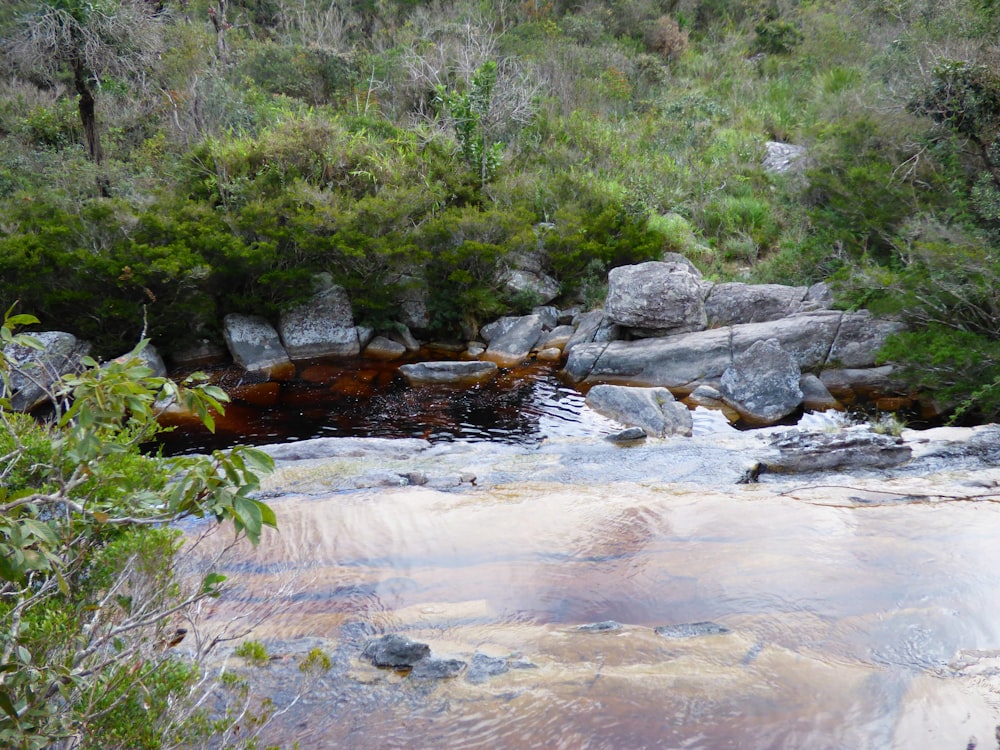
{"x": 857, "y": 611}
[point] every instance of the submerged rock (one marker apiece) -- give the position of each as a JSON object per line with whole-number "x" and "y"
{"x": 691, "y": 630}
{"x": 449, "y": 373}
{"x": 393, "y": 650}
{"x": 433, "y": 668}
{"x": 600, "y": 627}
{"x": 483, "y": 667}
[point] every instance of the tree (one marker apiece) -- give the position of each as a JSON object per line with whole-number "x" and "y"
{"x": 89, "y": 601}
{"x": 88, "y": 42}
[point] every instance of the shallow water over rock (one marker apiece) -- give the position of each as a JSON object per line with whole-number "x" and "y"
{"x": 850, "y": 612}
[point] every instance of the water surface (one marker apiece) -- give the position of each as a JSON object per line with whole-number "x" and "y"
{"x": 850, "y": 625}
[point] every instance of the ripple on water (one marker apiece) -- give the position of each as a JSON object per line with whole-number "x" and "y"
{"x": 835, "y": 616}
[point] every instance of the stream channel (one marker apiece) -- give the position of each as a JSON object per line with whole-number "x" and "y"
{"x": 858, "y": 609}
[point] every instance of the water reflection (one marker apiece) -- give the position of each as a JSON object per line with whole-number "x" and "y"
{"x": 843, "y": 621}
{"x": 370, "y": 399}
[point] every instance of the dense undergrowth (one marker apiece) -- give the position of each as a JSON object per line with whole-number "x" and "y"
{"x": 423, "y": 147}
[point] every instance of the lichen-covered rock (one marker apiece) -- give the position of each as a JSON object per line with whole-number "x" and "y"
{"x": 656, "y": 298}
{"x": 762, "y": 384}
{"x": 254, "y": 343}
{"x": 322, "y": 327}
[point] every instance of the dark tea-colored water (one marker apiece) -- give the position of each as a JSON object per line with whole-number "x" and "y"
{"x": 363, "y": 398}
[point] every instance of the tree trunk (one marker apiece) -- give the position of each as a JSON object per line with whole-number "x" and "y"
{"x": 88, "y": 114}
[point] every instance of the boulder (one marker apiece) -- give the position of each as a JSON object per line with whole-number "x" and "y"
{"x": 512, "y": 346}
{"x": 652, "y": 409}
{"x": 859, "y": 339}
{"x": 449, "y": 373}
{"x": 784, "y": 158}
{"x": 558, "y": 337}
{"x": 395, "y": 651}
{"x": 711, "y": 398}
{"x": 540, "y": 287}
{"x": 656, "y": 298}
{"x": 586, "y": 326}
{"x": 382, "y": 348}
{"x": 254, "y": 344}
{"x": 413, "y": 310}
{"x": 497, "y": 328}
{"x": 322, "y": 327}
{"x": 851, "y": 449}
{"x": 815, "y": 395}
{"x": 808, "y": 337}
{"x": 673, "y": 362}
{"x": 35, "y": 371}
{"x": 549, "y": 315}
{"x": 199, "y": 353}
{"x": 401, "y": 334}
{"x": 762, "y": 384}
{"x": 734, "y": 303}
{"x": 849, "y": 384}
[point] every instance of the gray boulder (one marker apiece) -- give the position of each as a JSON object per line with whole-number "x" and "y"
{"x": 35, "y": 371}
{"x": 784, "y": 158}
{"x": 382, "y": 348}
{"x": 808, "y": 337}
{"x": 449, "y": 373}
{"x": 394, "y": 650}
{"x": 815, "y": 395}
{"x": 849, "y": 384}
{"x": 762, "y": 384}
{"x": 254, "y": 344}
{"x": 541, "y": 287}
{"x": 672, "y": 362}
{"x": 586, "y": 327}
{"x": 653, "y": 409}
{"x": 859, "y": 338}
{"x": 656, "y": 298}
{"x": 512, "y": 346}
{"x": 322, "y": 327}
{"x": 734, "y": 303}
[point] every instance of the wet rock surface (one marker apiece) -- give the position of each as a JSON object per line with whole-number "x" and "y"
{"x": 395, "y": 651}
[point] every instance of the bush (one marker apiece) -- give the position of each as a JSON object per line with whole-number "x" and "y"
{"x": 89, "y": 596}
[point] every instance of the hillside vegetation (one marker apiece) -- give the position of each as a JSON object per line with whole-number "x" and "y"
{"x": 163, "y": 163}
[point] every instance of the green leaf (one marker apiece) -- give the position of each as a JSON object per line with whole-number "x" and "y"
{"x": 7, "y": 704}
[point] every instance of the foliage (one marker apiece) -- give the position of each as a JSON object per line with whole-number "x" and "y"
{"x": 88, "y": 594}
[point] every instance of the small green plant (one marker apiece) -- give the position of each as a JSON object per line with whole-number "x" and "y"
{"x": 254, "y": 652}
